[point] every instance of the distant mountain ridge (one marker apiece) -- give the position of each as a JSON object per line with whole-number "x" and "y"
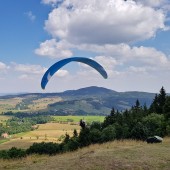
{"x": 89, "y": 100}
{"x": 89, "y": 91}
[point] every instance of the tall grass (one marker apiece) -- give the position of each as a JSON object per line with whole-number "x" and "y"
{"x": 116, "y": 155}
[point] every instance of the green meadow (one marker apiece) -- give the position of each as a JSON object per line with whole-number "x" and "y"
{"x": 76, "y": 119}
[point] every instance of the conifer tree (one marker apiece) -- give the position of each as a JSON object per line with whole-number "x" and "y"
{"x": 166, "y": 108}
{"x": 137, "y": 104}
{"x": 154, "y": 106}
{"x": 109, "y": 120}
{"x": 161, "y": 100}
{"x": 158, "y": 102}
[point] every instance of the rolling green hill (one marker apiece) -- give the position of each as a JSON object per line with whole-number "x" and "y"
{"x": 90, "y": 100}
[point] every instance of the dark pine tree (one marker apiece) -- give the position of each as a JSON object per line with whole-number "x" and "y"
{"x": 109, "y": 120}
{"x": 137, "y": 104}
{"x": 154, "y": 106}
{"x": 161, "y": 100}
{"x": 166, "y": 108}
{"x": 158, "y": 102}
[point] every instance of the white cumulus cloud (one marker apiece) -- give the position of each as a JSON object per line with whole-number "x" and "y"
{"x": 51, "y": 2}
{"x": 53, "y": 49}
{"x": 28, "y": 68}
{"x": 62, "y": 73}
{"x": 3, "y": 67}
{"x": 108, "y": 30}
{"x": 104, "y": 22}
{"x": 24, "y": 77}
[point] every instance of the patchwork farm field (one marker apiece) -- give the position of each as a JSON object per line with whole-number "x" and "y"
{"x": 49, "y": 132}
{"x": 26, "y": 104}
{"x": 9, "y": 104}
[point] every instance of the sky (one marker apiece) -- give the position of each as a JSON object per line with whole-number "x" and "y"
{"x": 130, "y": 39}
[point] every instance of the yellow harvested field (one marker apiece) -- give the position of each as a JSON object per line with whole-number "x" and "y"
{"x": 43, "y": 103}
{"x": 52, "y": 130}
{"x": 13, "y": 101}
{"x": 20, "y": 143}
{"x": 8, "y": 104}
{"x": 39, "y": 104}
{"x": 49, "y": 132}
{"x": 3, "y": 118}
{"x": 57, "y": 126}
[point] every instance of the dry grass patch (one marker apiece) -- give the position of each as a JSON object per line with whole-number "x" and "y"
{"x": 20, "y": 143}
{"x": 4, "y": 118}
{"x": 9, "y": 104}
{"x": 13, "y": 101}
{"x": 39, "y": 104}
{"x": 53, "y": 130}
{"x": 124, "y": 155}
{"x": 43, "y": 103}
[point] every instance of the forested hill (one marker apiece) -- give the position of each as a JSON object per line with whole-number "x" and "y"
{"x": 90, "y": 100}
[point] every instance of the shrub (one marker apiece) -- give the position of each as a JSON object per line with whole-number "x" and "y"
{"x": 155, "y": 124}
{"x": 139, "y": 132}
{"x": 108, "y": 134}
{"x": 83, "y": 138}
{"x": 168, "y": 130}
{"x": 12, "y": 153}
{"x": 95, "y": 135}
{"x": 71, "y": 145}
{"x": 96, "y": 125}
{"x": 122, "y": 131}
{"x": 49, "y": 148}
{"x": 4, "y": 154}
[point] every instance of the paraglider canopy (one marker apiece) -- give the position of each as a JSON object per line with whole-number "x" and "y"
{"x": 55, "y": 67}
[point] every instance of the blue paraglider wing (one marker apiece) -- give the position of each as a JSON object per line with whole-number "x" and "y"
{"x": 55, "y": 67}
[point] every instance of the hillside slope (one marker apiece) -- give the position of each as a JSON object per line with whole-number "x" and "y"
{"x": 124, "y": 155}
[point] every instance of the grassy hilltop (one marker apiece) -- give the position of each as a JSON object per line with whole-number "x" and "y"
{"x": 125, "y": 155}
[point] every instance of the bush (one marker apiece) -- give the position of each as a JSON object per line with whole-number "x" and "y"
{"x": 108, "y": 134}
{"x": 155, "y": 124}
{"x": 95, "y": 135}
{"x": 139, "y": 132}
{"x": 4, "y": 154}
{"x": 83, "y": 138}
{"x": 71, "y": 145}
{"x": 12, "y": 153}
{"x": 168, "y": 130}
{"x": 49, "y": 148}
{"x": 96, "y": 125}
{"x": 122, "y": 131}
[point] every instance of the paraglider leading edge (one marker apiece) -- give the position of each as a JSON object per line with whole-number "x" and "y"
{"x": 55, "y": 67}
